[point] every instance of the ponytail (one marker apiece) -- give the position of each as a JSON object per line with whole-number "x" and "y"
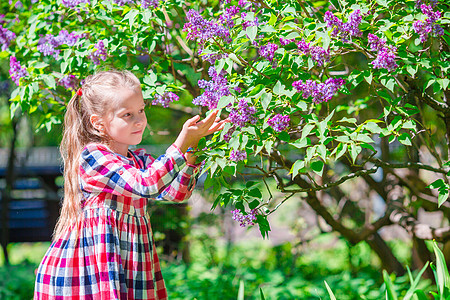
{"x": 97, "y": 93}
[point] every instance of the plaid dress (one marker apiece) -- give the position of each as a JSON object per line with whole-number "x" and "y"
{"x": 112, "y": 255}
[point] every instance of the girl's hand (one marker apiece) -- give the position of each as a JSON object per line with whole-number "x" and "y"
{"x": 194, "y": 129}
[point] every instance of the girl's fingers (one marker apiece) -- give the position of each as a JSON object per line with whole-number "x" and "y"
{"x": 193, "y": 120}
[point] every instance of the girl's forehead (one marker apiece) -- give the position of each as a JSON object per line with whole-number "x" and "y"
{"x": 128, "y": 98}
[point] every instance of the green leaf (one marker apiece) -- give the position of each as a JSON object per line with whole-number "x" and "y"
{"x": 131, "y": 16}
{"x": 254, "y": 204}
{"x": 241, "y": 290}
{"x": 255, "y": 193}
{"x": 414, "y": 283}
{"x": 437, "y": 184}
{"x": 372, "y": 127}
{"x": 278, "y": 89}
{"x": 390, "y": 292}
{"x": 261, "y": 294}
{"x": 342, "y": 148}
{"x": 40, "y": 65}
{"x": 265, "y": 100}
{"x": 49, "y": 81}
{"x": 251, "y": 32}
{"x": 330, "y": 292}
{"x": 442, "y": 197}
{"x": 354, "y": 151}
{"x": 224, "y": 101}
{"x": 284, "y": 136}
{"x": 441, "y": 274}
{"x": 317, "y": 167}
{"x": 405, "y": 139}
{"x": 298, "y": 165}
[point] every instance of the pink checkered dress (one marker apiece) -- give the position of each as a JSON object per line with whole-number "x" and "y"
{"x": 113, "y": 255}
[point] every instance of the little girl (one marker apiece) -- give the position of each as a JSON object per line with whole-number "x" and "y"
{"x": 103, "y": 244}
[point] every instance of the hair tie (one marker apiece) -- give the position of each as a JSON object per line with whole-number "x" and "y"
{"x": 79, "y": 92}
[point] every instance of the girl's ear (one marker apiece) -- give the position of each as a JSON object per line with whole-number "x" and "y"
{"x": 97, "y": 122}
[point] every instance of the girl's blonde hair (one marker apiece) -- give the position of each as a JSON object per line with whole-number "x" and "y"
{"x": 99, "y": 91}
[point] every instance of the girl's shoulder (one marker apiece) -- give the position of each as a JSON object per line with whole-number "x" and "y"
{"x": 91, "y": 147}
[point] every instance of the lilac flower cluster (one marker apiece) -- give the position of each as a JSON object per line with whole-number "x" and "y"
{"x": 214, "y": 89}
{"x": 429, "y": 26}
{"x": 69, "y": 81}
{"x": 211, "y": 57}
{"x": 74, "y": 3}
{"x": 165, "y": 99}
{"x": 6, "y": 36}
{"x": 320, "y": 92}
{"x": 385, "y": 55}
{"x": 50, "y": 43}
{"x": 202, "y": 30}
{"x": 244, "y": 220}
{"x": 226, "y": 18}
{"x": 150, "y": 3}
{"x": 248, "y": 23}
{"x": 16, "y": 71}
{"x": 236, "y": 155}
{"x": 243, "y": 114}
{"x": 279, "y": 122}
{"x": 227, "y": 136}
{"x": 285, "y": 42}
{"x": 344, "y": 30}
{"x": 433, "y": 3}
{"x": 318, "y": 54}
{"x": 268, "y": 51}
{"x": 123, "y": 2}
{"x": 98, "y": 53}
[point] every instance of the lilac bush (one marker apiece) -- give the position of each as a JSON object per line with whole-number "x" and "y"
{"x": 165, "y": 99}
{"x": 16, "y": 71}
{"x": 279, "y": 122}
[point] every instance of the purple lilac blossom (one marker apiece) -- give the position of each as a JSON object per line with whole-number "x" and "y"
{"x": 98, "y": 53}
{"x": 226, "y": 18}
{"x": 74, "y": 3}
{"x": 16, "y": 71}
{"x": 200, "y": 29}
{"x": 243, "y": 114}
{"x": 244, "y": 220}
{"x": 165, "y": 99}
{"x": 236, "y": 155}
{"x": 318, "y": 54}
{"x": 227, "y": 136}
{"x": 385, "y": 55}
{"x": 344, "y": 30}
{"x": 123, "y": 2}
{"x": 6, "y": 36}
{"x": 320, "y": 92}
{"x": 429, "y": 26}
{"x": 248, "y": 23}
{"x": 279, "y": 122}
{"x": 211, "y": 57}
{"x": 375, "y": 43}
{"x": 69, "y": 81}
{"x": 214, "y": 89}
{"x": 268, "y": 51}
{"x": 433, "y": 3}
{"x": 50, "y": 43}
{"x": 385, "y": 59}
{"x": 285, "y": 42}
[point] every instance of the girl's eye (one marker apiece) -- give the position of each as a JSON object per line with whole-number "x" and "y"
{"x": 127, "y": 115}
{"x": 141, "y": 111}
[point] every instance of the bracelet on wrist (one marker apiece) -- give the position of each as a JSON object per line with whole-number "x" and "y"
{"x": 190, "y": 150}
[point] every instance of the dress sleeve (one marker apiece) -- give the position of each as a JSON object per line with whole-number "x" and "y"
{"x": 168, "y": 177}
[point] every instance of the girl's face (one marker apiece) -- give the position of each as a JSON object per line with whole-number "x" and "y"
{"x": 126, "y": 123}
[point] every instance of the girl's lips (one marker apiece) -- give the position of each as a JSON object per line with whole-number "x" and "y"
{"x": 137, "y": 132}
